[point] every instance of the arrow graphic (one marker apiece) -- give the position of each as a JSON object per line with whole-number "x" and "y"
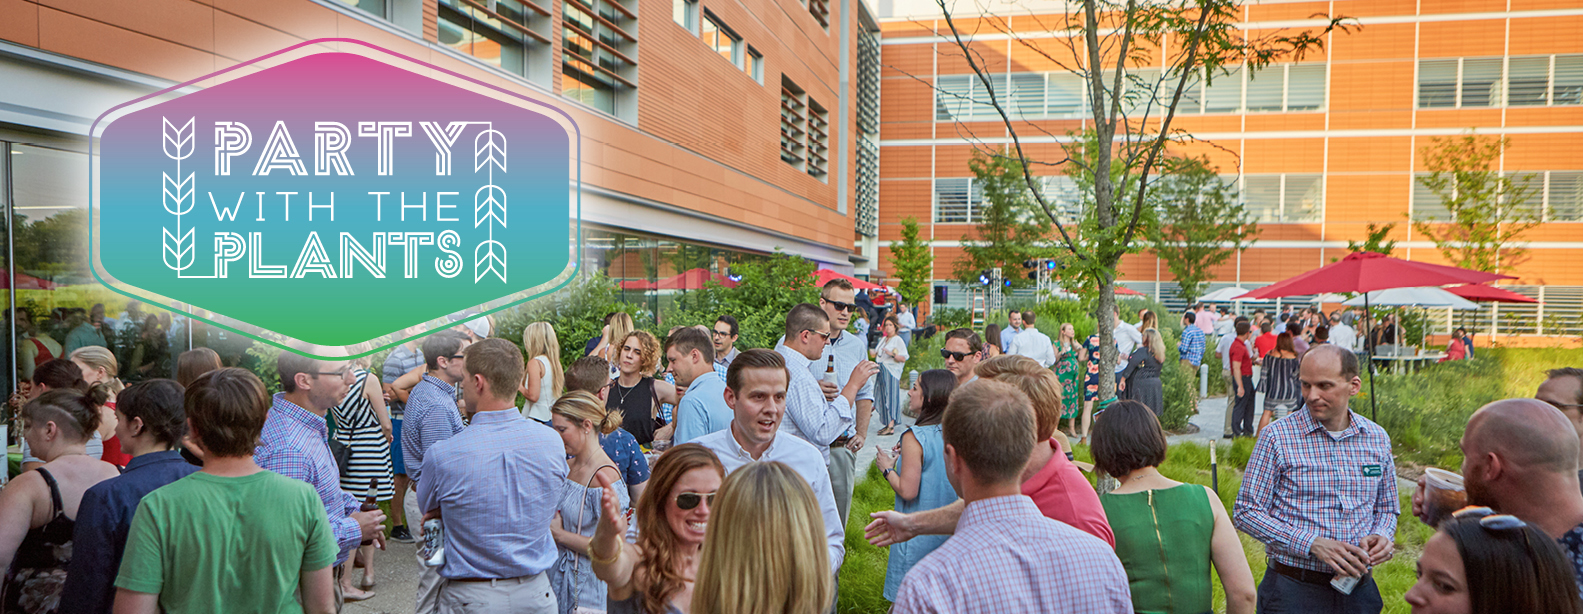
{"x": 489, "y": 202}
{"x": 489, "y": 257}
{"x": 489, "y": 147}
{"x": 178, "y": 141}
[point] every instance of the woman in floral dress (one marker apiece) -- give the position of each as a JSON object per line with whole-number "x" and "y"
{"x": 1068, "y": 364}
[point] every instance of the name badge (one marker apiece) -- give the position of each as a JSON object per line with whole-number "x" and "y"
{"x": 1372, "y": 471}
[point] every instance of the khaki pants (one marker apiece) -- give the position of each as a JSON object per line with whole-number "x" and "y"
{"x": 841, "y": 462}
{"x": 525, "y": 595}
{"x": 1231, "y": 398}
{"x": 429, "y": 579}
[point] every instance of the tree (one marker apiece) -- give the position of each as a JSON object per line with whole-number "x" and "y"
{"x": 1489, "y": 210}
{"x": 913, "y": 261}
{"x": 1110, "y": 44}
{"x": 1200, "y": 223}
{"x": 1374, "y": 242}
{"x": 1009, "y": 231}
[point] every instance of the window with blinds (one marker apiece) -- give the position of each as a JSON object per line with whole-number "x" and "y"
{"x": 512, "y": 37}
{"x": 1529, "y": 81}
{"x": 1284, "y": 199}
{"x": 794, "y": 118}
{"x": 956, "y": 200}
{"x": 1553, "y": 196}
{"x": 598, "y": 52}
{"x": 818, "y": 145}
{"x": 820, "y": 9}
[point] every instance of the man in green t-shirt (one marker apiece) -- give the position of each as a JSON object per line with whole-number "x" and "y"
{"x": 190, "y": 538}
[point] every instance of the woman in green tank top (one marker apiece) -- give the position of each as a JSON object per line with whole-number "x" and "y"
{"x": 1166, "y": 575}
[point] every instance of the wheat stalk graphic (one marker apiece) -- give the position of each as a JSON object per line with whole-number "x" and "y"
{"x": 178, "y": 198}
{"x": 489, "y": 203}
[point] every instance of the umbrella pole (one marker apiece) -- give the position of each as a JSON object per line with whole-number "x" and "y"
{"x": 1368, "y": 351}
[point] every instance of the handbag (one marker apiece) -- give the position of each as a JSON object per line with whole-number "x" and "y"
{"x": 577, "y": 580}
{"x": 343, "y": 456}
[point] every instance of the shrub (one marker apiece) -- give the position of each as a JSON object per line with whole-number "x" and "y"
{"x": 769, "y": 288}
{"x": 576, "y": 311}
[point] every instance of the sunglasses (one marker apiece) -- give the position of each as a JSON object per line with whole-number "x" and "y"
{"x": 341, "y": 374}
{"x": 1489, "y": 519}
{"x": 957, "y": 356}
{"x": 690, "y": 500}
{"x": 839, "y": 306}
{"x": 825, "y": 335}
{"x": 1564, "y": 406}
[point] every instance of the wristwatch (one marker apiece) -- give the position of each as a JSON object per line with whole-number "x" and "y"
{"x": 885, "y": 473}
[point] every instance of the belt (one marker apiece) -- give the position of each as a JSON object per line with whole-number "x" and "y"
{"x": 1306, "y": 576}
{"x": 840, "y": 441}
{"x": 496, "y": 580}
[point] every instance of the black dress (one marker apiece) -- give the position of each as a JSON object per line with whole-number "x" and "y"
{"x": 637, "y": 408}
{"x": 38, "y": 572}
{"x": 1143, "y": 380}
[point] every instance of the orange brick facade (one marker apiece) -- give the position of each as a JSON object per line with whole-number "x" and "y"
{"x": 701, "y": 151}
{"x": 1364, "y": 141}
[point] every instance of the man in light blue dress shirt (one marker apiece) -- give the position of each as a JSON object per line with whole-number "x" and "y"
{"x": 1007, "y": 335}
{"x": 756, "y": 390}
{"x": 703, "y": 408}
{"x": 495, "y": 484}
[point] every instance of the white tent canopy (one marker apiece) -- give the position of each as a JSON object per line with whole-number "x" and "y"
{"x": 1228, "y": 294}
{"x": 1416, "y": 297}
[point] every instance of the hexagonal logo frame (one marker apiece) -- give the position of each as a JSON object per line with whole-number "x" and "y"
{"x": 333, "y": 194}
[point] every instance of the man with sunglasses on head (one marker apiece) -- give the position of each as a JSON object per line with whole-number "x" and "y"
{"x": 962, "y": 352}
{"x": 432, "y": 417}
{"x": 1519, "y": 457}
{"x": 1320, "y": 493}
{"x": 294, "y": 443}
{"x": 724, "y": 337}
{"x": 757, "y": 391}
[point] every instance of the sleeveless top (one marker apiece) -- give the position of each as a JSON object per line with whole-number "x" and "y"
{"x": 572, "y": 577}
{"x": 637, "y": 408}
{"x": 634, "y": 605}
{"x": 540, "y": 410}
{"x": 1165, "y": 575}
{"x": 934, "y": 490}
{"x": 358, "y": 428}
{"x": 37, "y": 574}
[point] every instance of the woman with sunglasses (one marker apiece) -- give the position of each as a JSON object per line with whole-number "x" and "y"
{"x": 655, "y": 575}
{"x": 1483, "y": 563}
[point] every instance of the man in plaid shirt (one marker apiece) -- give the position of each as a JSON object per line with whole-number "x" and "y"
{"x": 1320, "y": 492}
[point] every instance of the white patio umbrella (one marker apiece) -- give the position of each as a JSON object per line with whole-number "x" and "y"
{"x": 1413, "y": 297}
{"x": 1228, "y": 294}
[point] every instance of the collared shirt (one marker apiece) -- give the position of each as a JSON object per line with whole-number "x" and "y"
{"x": 724, "y": 362}
{"x": 1007, "y": 557}
{"x": 1223, "y": 347}
{"x": 294, "y": 444}
{"x": 398, "y": 363}
{"x": 1303, "y": 483}
{"x": 907, "y": 321}
{"x": 802, "y": 458}
{"x": 103, "y": 521}
{"x": 1191, "y": 346}
{"x": 702, "y": 410}
{"x": 1127, "y": 339}
{"x": 808, "y": 415}
{"x": 1007, "y": 335}
{"x": 720, "y": 370}
{"x": 1205, "y": 320}
{"x": 432, "y": 417}
{"x": 1344, "y": 336}
{"x": 496, "y": 484}
{"x": 1034, "y": 344}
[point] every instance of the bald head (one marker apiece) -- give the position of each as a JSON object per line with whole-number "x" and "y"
{"x": 1344, "y": 360}
{"x": 1527, "y": 433}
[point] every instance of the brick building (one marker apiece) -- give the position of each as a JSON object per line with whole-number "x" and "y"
{"x": 1319, "y": 148}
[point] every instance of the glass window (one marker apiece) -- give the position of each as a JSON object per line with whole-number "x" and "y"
{"x": 1138, "y": 93}
{"x": 955, "y": 200}
{"x": 1427, "y": 205}
{"x": 794, "y": 123}
{"x": 1027, "y": 95}
{"x": 755, "y": 65}
{"x": 951, "y": 97}
{"x": 1529, "y": 80}
{"x": 1305, "y": 87}
{"x": 1192, "y": 92}
{"x": 1224, "y": 94}
{"x": 722, "y": 40}
{"x": 1568, "y": 80}
{"x": 685, "y": 13}
{"x": 1062, "y": 195}
{"x": 818, "y": 139}
{"x": 1067, "y": 95}
{"x": 1564, "y": 196}
{"x": 1303, "y": 198}
{"x": 1265, "y": 88}
{"x": 372, "y": 7}
{"x": 1437, "y": 83}
{"x": 1262, "y": 197}
{"x": 1481, "y": 82}
{"x": 597, "y": 55}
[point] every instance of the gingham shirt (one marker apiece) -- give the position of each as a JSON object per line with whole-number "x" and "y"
{"x": 432, "y": 417}
{"x": 294, "y": 443}
{"x": 1191, "y": 346}
{"x": 1302, "y": 484}
{"x": 1007, "y": 557}
{"x": 808, "y": 415}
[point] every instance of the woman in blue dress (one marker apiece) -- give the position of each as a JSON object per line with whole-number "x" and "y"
{"x": 580, "y": 418}
{"x": 919, "y": 478}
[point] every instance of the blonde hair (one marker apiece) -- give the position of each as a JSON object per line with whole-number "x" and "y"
{"x": 1155, "y": 342}
{"x": 538, "y": 339}
{"x": 101, "y": 358}
{"x": 1041, "y": 386}
{"x": 764, "y": 551}
{"x": 578, "y": 406}
{"x": 620, "y": 326}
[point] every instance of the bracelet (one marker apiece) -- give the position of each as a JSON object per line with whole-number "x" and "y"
{"x": 610, "y": 561}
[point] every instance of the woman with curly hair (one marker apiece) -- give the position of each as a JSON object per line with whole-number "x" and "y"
{"x": 634, "y": 392}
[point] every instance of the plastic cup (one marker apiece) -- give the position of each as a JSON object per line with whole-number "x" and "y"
{"x": 1444, "y": 494}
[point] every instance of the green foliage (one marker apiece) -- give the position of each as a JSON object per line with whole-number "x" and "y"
{"x": 1375, "y": 242}
{"x": 1489, "y": 209}
{"x": 913, "y": 260}
{"x": 947, "y": 318}
{"x": 769, "y": 288}
{"x": 56, "y": 246}
{"x": 1199, "y": 222}
{"x": 263, "y": 358}
{"x": 1009, "y": 232}
{"x": 576, "y": 312}
{"x": 863, "y": 571}
{"x": 925, "y": 355}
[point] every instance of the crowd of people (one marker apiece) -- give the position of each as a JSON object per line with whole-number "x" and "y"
{"x": 599, "y": 491}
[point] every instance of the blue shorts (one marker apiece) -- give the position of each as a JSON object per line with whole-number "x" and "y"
{"x": 395, "y": 447}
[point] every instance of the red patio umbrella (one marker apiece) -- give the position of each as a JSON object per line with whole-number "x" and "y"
{"x": 823, "y": 276}
{"x": 691, "y": 279}
{"x": 1126, "y": 290}
{"x": 1489, "y": 294}
{"x": 26, "y": 282}
{"x": 1364, "y": 272}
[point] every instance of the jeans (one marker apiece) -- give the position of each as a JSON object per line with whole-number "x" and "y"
{"x": 1242, "y": 415}
{"x": 1280, "y": 594}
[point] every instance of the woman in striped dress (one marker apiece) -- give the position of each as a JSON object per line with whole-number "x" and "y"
{"x": 363, "y": 425}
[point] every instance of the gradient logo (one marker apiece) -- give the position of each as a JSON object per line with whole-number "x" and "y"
{"x": 335, "y": 193}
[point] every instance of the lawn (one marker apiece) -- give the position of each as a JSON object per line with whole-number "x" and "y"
{"x": 863, "y": 574}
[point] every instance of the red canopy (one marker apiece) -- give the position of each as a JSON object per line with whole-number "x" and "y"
{"x": 26, "y": 282}
{"x": 1481, "y": 292}
{"x": 1126, "y": 290}
{"x": 691, "y": 279}
{"x": 1369, "y": 271}
{"x": 825, "y": 275}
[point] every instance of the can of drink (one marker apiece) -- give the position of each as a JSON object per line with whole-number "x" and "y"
{"x": 432, "y": 548}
